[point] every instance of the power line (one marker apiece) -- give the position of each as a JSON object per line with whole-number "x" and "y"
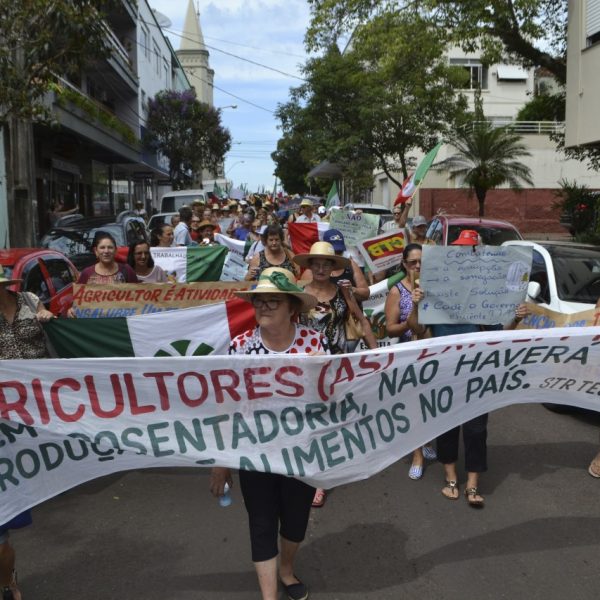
{"x": 224, "y": 51}
{"x": 216, "y": 87}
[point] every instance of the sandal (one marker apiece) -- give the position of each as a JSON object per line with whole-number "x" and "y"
{"x": 471, "y": 495}
{"x": 319, "y": 498}
{"x": 452, "y": 486}
{"x": 594, "y": 468}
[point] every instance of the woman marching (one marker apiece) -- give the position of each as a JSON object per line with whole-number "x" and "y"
{"x": 398, "y": 308}
{"x": 21, "y": 336}
{"x": 275, "y": 502}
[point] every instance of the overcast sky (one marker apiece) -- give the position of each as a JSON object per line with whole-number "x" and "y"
{"x": 269, "y": 32}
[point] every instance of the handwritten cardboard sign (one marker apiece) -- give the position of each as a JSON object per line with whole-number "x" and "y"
{"x": 355, "y": 227}
{"x": 478, "y": 285}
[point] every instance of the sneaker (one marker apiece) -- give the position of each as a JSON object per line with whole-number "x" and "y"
{"x": 296, "y": 591}
{"x": 415, "y": 471}
{"x": 429, "y": 453}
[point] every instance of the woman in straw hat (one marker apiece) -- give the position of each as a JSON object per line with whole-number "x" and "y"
{"x": 336, "y": 304}
{"x": 275, "y": 502}
{"x": 21, "y": 336}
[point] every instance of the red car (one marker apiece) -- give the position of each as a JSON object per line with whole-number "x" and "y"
{"x": 47, "y": 273}
{"x": 444, "y": 229}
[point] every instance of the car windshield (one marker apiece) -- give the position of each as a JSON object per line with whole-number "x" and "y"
{"x": 577, "y": 272}
{"x": 490, "y": 236}
{"x": 69, "y": 246}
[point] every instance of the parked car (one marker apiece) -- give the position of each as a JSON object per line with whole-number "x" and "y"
{"x": 75, "y": 238}
{"x": 47, "y": 273}
{"x": 383, "y": 212}
{"x": 160, "y": 218}
{"x": 173, "y": 201}
{"x": 565, "y": 277}
{"x": 444, "y": 229}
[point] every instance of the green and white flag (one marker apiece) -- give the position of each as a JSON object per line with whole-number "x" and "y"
{"x": 333, "y": 198}
{"x": 191, "y": 263}
{"x": 196, "y": 331}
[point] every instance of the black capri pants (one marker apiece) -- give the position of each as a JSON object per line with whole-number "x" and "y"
{"x": 475, "y": 441}
{"x": 274, "y": 502}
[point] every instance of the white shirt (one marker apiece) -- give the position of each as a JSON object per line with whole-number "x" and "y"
{"x": 181, "y": 235}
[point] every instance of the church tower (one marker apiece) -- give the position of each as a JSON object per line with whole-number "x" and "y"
{"x": 193, "y": 56}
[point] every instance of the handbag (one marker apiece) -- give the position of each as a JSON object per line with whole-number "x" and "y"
{"x": 353, "y": 327}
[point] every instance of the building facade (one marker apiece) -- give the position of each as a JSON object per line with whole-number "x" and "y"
{"x": 583, "y": 67}
{"x": 93, "y": 156}
{"x": 505, "y": 89}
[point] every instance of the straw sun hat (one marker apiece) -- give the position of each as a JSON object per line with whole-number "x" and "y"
{"x": 276, "y": 280}
{"x": 5, "y": 280}
{"x": 322, "y": 250}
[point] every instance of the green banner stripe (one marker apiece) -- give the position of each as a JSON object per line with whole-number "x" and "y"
{"x": 90, "y": 338}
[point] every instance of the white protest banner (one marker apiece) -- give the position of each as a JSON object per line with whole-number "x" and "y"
{"x": 235, "y": 267}
{"x": 354, "y": 226}
{"x": 383, "y": 251}
{"x": 328, "y": 420}
{"x": 466, "y": 284}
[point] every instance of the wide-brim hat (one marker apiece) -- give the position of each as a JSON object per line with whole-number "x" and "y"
{"x": 322, "y": 250}
{"x": 467, "y": 237}
{"x": 5, "y": 280}
{"x": 276, "y": 280}
{"x": 206, "y": 223}
{"x": 307, "y": 202}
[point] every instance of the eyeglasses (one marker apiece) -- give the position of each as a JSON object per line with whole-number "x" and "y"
{"x": 271, "y": 304}
{"x": 326, "y": 265}
{"x": 397, "y": 212}
{"x": 413, "y": 262}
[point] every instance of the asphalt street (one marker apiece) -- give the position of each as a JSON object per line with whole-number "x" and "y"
{"x": 159, "y": 535}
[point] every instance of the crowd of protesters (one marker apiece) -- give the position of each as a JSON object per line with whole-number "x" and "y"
{"x": 317, "y": 294}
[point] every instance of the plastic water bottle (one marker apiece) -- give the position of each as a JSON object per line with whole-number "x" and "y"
{"x": 225, "y": 499}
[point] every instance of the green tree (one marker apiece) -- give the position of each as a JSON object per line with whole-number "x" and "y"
{"x": 41, "y": 38}
{"x": 372, "y": 105}
{"x": 532, "y": 31}
{"x": 188, "y": 132}
{"x": 487, "y": 157}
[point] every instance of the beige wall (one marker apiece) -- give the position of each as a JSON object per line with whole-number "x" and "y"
{"x": 583, "y": 82}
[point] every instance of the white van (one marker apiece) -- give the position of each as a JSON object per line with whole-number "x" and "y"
{"x": 173, "y": 201}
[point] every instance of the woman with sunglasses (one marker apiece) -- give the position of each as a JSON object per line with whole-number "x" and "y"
{"x": 398, "y": 309}
{"x": 277, "y": 505}
{"x": 141, "y": 261}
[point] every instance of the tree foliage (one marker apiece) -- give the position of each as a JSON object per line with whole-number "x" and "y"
{"x": 372, "y": 105}
{"x": 531, "y": 31}
{"x": 188, "y": 132}
{"x": 40, "y": 38}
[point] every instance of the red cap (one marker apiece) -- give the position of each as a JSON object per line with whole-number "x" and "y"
{"x": 467, "y": 237}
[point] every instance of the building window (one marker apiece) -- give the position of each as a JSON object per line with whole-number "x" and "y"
{"x": 166, "y": 74}
{"x": 157, "y": 58}
{"x": 592, "y": 22}
{"x": 146, "y": 42}
{"x": 478, "y": 74}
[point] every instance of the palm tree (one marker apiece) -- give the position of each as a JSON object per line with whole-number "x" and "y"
{"x": 487, "y": 157}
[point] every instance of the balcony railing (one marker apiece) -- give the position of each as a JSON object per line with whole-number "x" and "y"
{"x": 536, "y": 127}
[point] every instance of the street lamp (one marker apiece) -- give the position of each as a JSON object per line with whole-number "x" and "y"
{"x": 233, "y": 106}
{"x": 239, "y": 162}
